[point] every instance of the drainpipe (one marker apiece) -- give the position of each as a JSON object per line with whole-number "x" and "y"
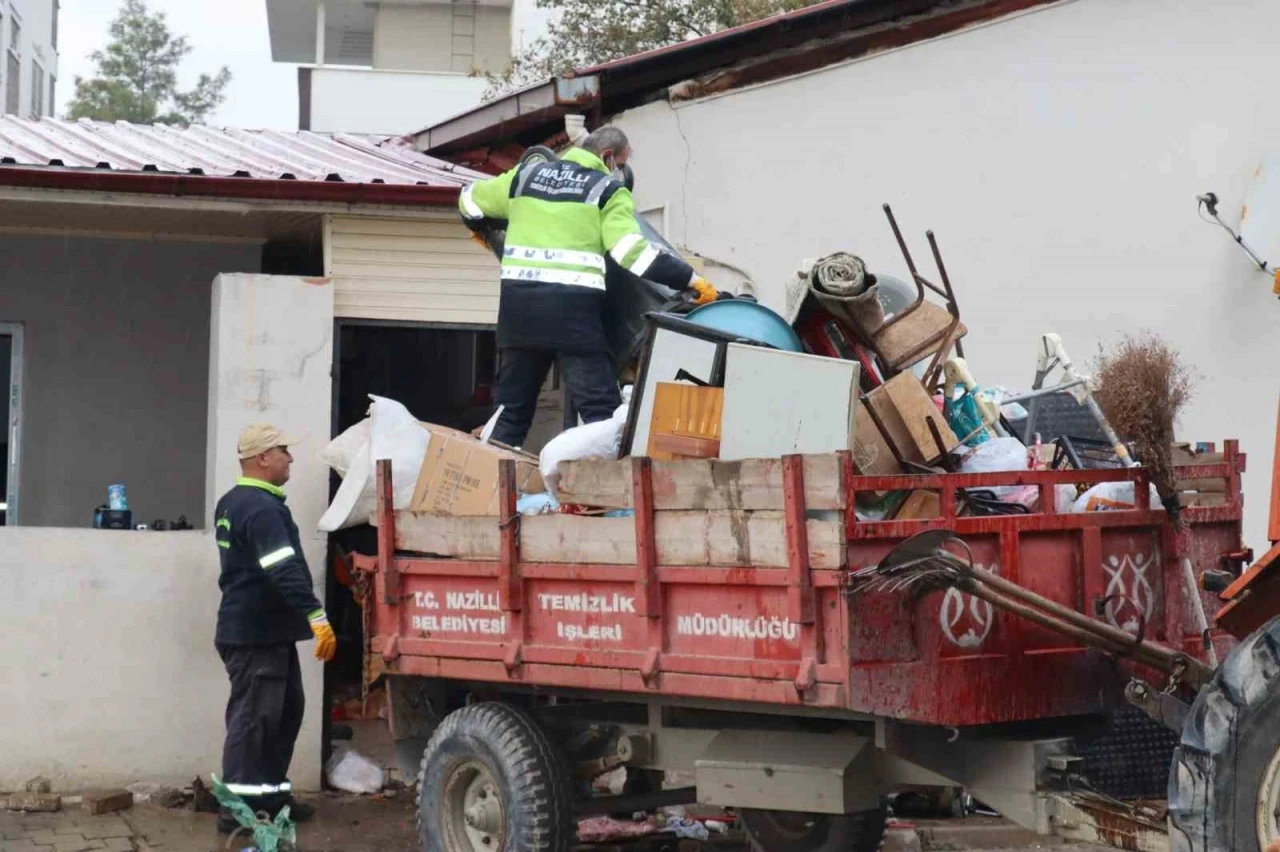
{"x": 320, "y": 27}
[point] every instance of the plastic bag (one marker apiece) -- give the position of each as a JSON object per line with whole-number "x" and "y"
{"x": 1111, "y": 496}
{"x": 997, "y": 455}
{"x": 342, "y": 450}
{"x": 537, "y": 504}
{"x": 592, "y": 441}
{"x": 394, "y": 434}
{"x": 352, "y": 772}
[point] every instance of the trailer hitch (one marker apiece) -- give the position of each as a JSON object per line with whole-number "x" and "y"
{"x": 1163, "y": 707}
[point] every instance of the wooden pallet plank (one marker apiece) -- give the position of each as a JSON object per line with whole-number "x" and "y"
{"x": 722, "y": 538}
{"x": 702, "y": 484}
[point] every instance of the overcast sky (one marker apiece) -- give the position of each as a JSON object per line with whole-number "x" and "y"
{"x": 227, "y": 32}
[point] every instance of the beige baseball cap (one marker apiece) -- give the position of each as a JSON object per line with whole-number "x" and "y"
{"x": 257, "y": 438}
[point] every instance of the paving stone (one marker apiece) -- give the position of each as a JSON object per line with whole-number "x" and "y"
{"x": 75, "y": 843}
{"x": 24, "y": 845}
{"x": 119, "y": 844}
{"x": 106, "y": 827}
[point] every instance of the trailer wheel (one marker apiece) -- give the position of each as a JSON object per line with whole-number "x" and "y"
{"x": 792, "y": 831}
{"x": 491, "y": 781}
{"x": 1224, "y": 786}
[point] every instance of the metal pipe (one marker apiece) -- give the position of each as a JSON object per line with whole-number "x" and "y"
{"x": 1161, "y": 657}
{"x": 1137, "y": 651}
{"x": 1197, "y": 608}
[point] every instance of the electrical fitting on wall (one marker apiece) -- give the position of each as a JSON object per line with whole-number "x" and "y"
{"x": 1259, "y": 233}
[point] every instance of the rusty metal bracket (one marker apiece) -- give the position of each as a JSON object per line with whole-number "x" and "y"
{"x": 651, "y": 668}
{"x": 510, "y": 584}
{"x": 800, "y": 606}
{"x": 648, "y": 589}
{"x": 388, "y": 573}
{"x": 514, "y": 658}
{"x": 807, "y": 676}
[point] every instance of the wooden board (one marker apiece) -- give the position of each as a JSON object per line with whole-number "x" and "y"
{"x": 729, "y": 538}
{"x": 872, "y": 455}
{"x": 916, "y": 336}
{"x": 905, "y": 409}
{"x": 919, "y": 506}
{"x": 702, "y": 484}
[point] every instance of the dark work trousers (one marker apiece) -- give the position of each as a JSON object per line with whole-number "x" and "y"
{"x": 264, "y": 715}
{"x": 589, "y": 377}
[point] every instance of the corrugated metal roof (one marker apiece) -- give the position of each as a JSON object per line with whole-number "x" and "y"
{"x": 222, "y": 152}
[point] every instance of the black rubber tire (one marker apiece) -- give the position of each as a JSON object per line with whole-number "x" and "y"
{"x": 1230, "y": 737}
{"x": 783, "y": 831}
{"x": 532, "y": 778}
{"x": 537, "y": 154}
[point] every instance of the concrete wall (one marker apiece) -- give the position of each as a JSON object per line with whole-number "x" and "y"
{"x": 357, "y": 100}
{"x": 270, "y": 358}
{"x": 111, "y": 675}
{"x": 1056, "y": 154}
{"x": 116, "y": 371}
{"x": 457, "y": 37}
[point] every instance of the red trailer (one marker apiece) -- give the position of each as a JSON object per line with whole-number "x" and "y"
{"x": 713, "y": 634}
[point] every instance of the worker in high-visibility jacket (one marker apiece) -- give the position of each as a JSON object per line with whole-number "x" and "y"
{"x": 562, "y": 217}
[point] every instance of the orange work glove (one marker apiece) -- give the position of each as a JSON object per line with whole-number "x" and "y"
{"x": 476, "y": 238}
{"x": 706, "y": 292}
{"x": 326, "y": 641}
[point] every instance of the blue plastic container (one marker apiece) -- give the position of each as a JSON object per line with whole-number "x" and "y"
{"x": 747, "y": 319}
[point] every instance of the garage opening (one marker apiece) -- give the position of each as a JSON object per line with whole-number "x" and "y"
{"x": 443, "y": 375}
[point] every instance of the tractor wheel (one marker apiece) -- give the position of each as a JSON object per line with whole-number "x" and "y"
{"x": 1224, "y": 787}
{"x": 491, "y": 781}
{"x": 792, "y": 831}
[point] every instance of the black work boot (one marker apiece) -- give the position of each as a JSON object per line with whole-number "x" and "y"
{"x": 226, "y": 822}
{"x": 300, "y": 811}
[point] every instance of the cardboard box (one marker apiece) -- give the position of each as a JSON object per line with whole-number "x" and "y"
{"x": 905, "y": 409}
{"x": 460, "y": 475}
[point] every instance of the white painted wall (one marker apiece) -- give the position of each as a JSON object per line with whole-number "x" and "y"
{"x": 270, "y": 359}
{"x": 453, "y": 37}
{"x": 1056, "y": 154}
{"x": 110, "y": 672}
{"x": 35, "y": 46}
{"x": 110, "y": 675}
{"x": 359, "y": 100}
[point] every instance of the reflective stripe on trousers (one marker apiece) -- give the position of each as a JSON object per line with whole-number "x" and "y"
{"x": 589, "y": 280}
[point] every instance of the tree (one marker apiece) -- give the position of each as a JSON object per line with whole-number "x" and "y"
{"x": 137, "y": 75}
{"x": 588, "y": 32}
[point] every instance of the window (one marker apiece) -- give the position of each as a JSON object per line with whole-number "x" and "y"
{"x": 10, "y": 419}
{"x": 56, "y": 9}
{"x": 37, "y": 90}
{"x": 53, "y": 94}
{"x": 11, "y": 83}
{"x": 15, "y": 36}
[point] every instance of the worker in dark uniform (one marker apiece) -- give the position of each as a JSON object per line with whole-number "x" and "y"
{"x": 268, "y": 605}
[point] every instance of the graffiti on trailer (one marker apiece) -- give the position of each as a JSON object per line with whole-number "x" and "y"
{"x": 1130, "y": 598}
{"x": 966, "y": 620}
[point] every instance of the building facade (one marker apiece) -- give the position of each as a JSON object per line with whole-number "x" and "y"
{"x": 386, "y": 67}
{"x": 29, "y": 68}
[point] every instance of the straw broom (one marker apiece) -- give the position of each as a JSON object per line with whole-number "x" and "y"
{"x": 1142, "y": 386}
